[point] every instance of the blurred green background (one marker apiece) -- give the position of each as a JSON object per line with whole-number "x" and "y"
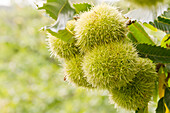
{"x": 30, "y": 80}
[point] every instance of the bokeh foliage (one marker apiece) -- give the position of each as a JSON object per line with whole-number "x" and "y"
{"x": 31, "y": 81}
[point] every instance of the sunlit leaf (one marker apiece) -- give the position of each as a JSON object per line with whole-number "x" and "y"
{"x": 155, "y": 34}
{"x": 150, "y": 26}
{"x": 139, "y": 34}
{"x": 144, "y": 14}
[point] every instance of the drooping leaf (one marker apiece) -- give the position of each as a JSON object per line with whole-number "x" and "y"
{"x": 139, "y": 34}
{"x": 64, "y": 35}
{"x": 161, "y": 107}
{"x": 162, "y": 23}
{"x": 61, "y": 11}
{"x": 81, "y": 7}
{"x": 157, "y": 54}
{"x": 167, "y": 97}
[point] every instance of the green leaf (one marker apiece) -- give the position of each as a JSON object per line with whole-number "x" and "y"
{"x": 166, "y": 44}
{"x": 167, "y": 97}
{"x": 157, "y": 54}
{"x": 139, "y": 34}
{"x": 162, "y": 23}
{"x": 62, "y": 14}
{"x": 155, "y": 93}
{"x": 64, "y": 35}
{"x": 131, "y": 37}
{"x": 155, "y": 34}
{"x": 81, "y": 7}
{"x": 54, "y": 7}
{"x": 167, "y": 14}
{"x": 150, "y": 26}
{"x": 161, "y": 107}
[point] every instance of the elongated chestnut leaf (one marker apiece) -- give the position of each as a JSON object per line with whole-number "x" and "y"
{"x": 138, "y": 34}
{"x": 162, "y": 23}
{"x": 157, "y": 54}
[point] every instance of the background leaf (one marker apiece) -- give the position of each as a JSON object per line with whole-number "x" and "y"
{"x": 31, "y": 81}
{"x": 167, "y": 97}
{"x": 162, "y": 23}
{"x": 157, "y": 54}
{"x": 167, "y": 14}
{"x": 161, "y": 106}
{"x": 81, "y": 7}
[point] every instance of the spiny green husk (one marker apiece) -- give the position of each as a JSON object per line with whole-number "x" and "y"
{"x": 74, "y": 73}
{"x": 137, "y": 93}
{"x": 63, "y": 49}
{"x": 101, "y": 25}
{"x": 110, "y": 66}
{"x": 146, "y": 3}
